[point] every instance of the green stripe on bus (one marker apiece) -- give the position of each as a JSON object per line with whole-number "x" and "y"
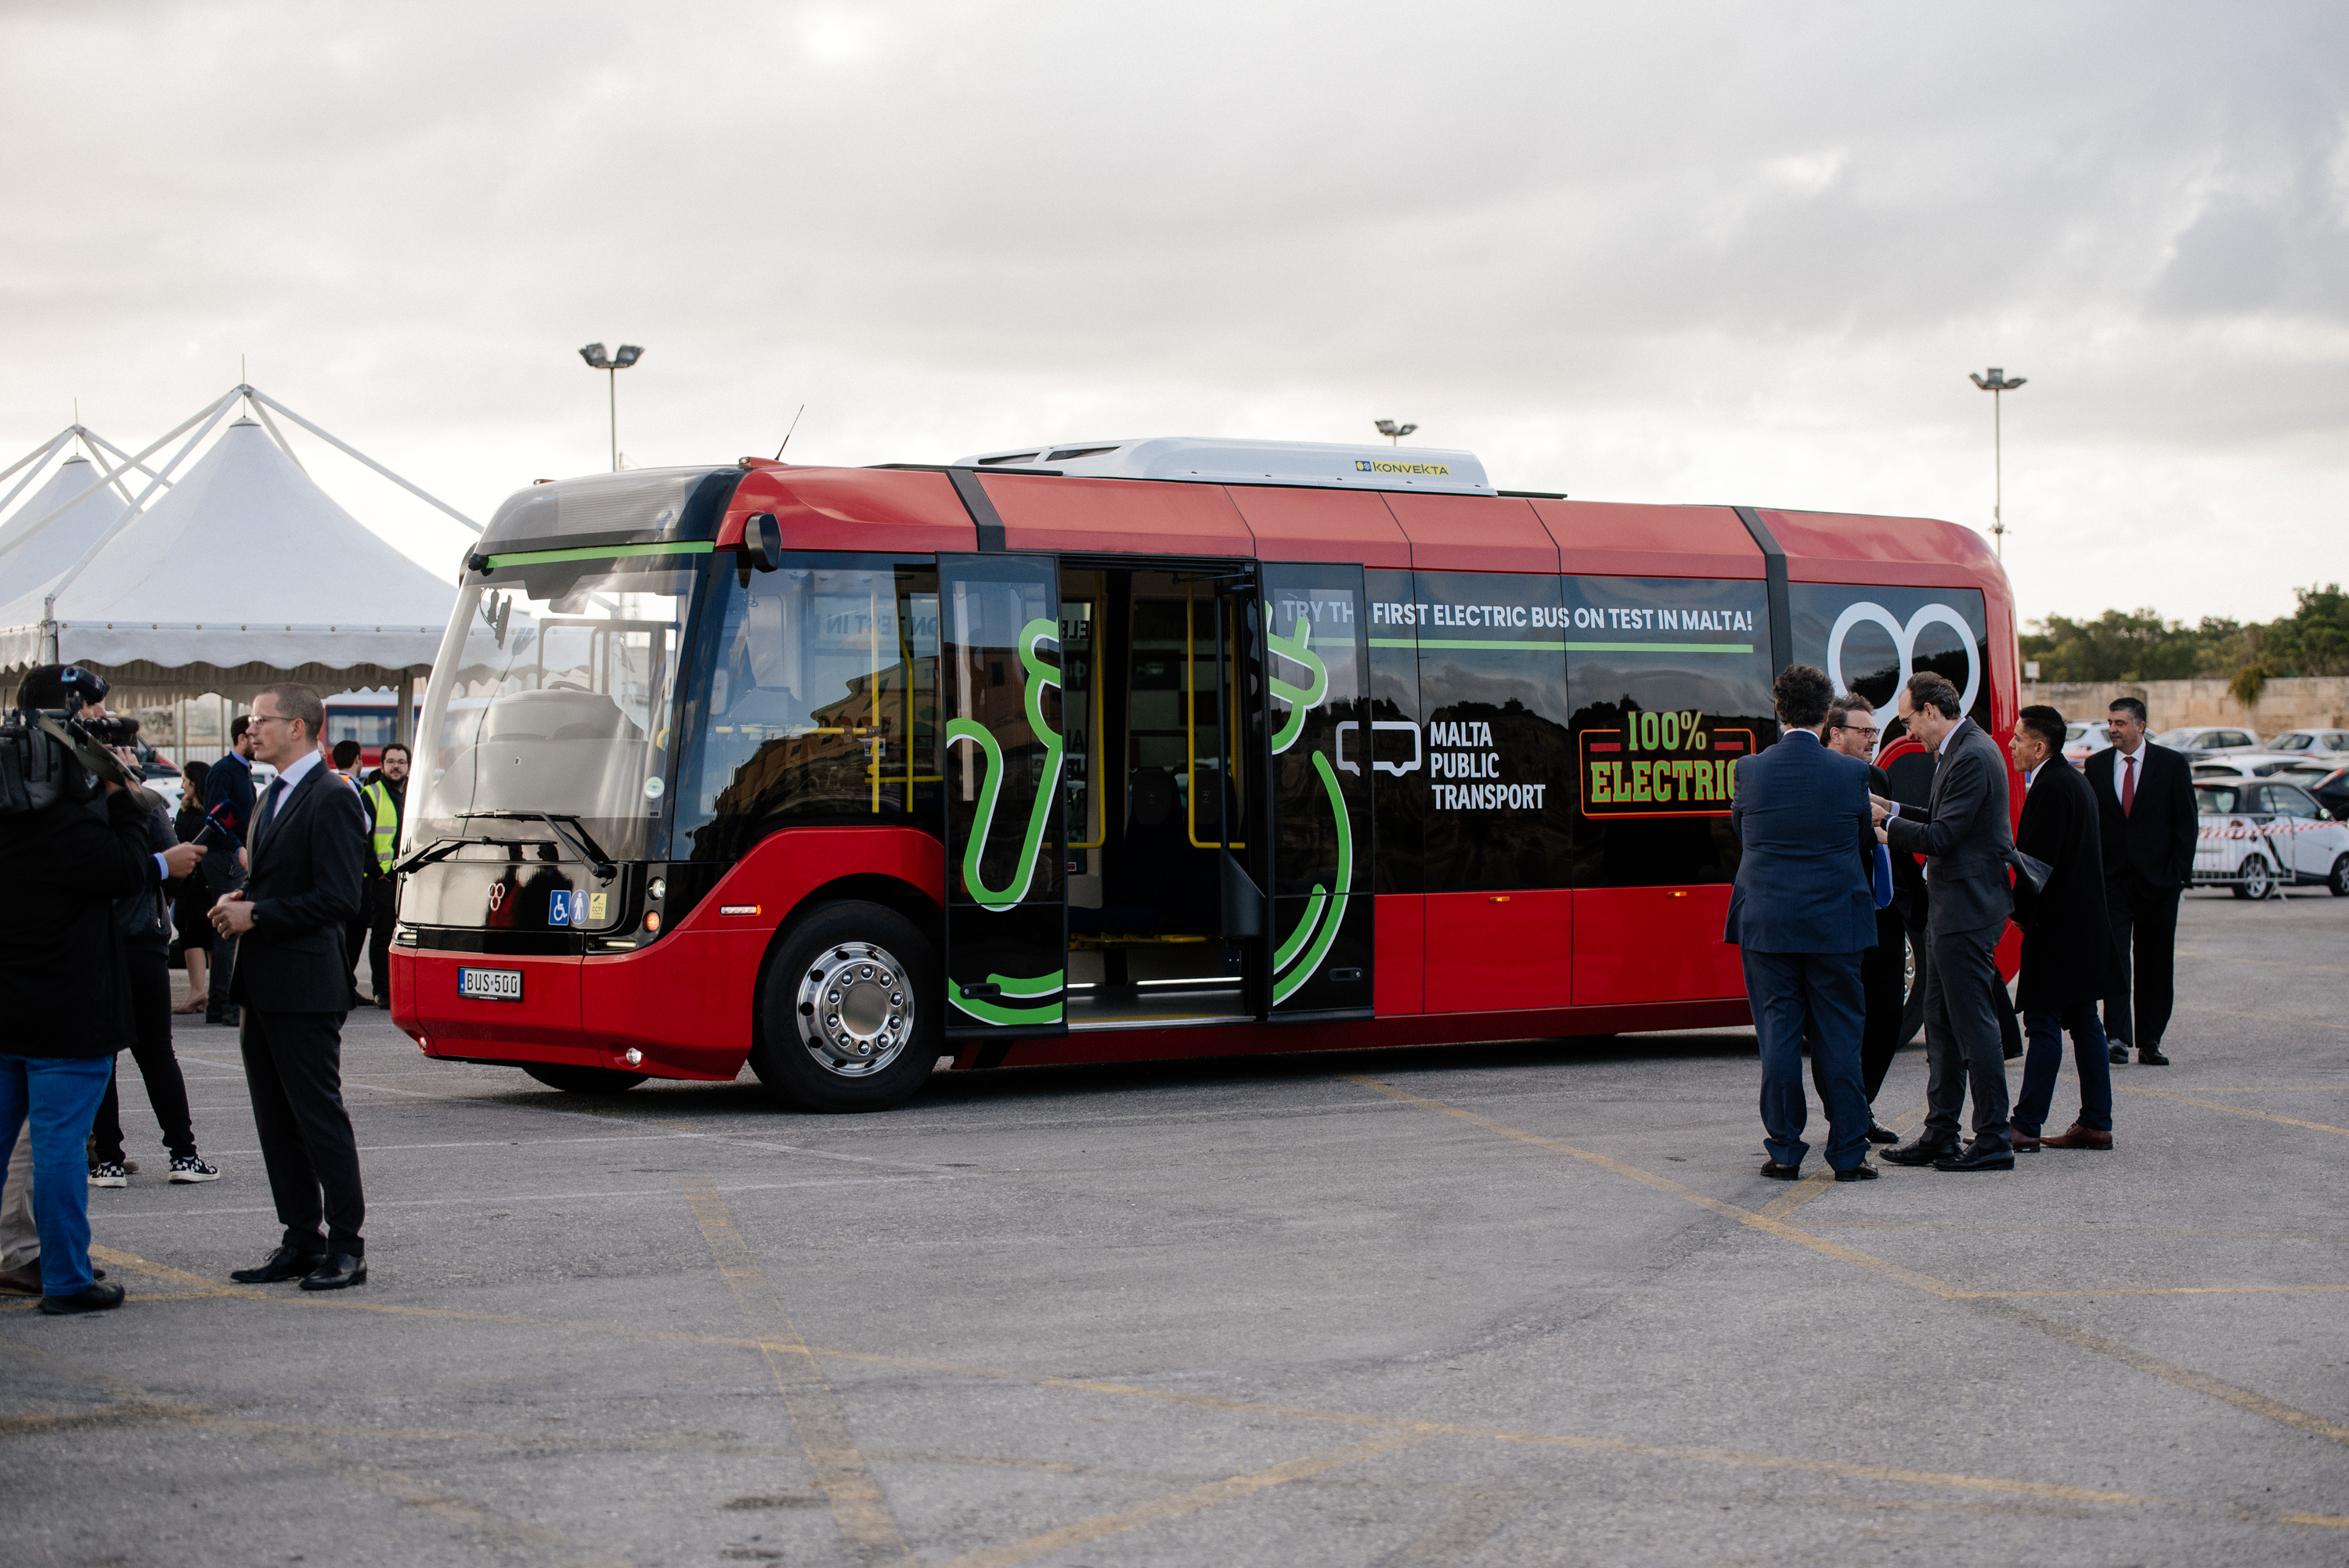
{"x": 1566, "y": 648}
{"x": 602, "y": 552}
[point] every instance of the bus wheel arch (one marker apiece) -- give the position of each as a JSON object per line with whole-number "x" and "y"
{"x": 846, "y": 1015}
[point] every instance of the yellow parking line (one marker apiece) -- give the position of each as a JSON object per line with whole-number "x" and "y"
{"x": 857, "y": 1506}
{"x": 2080, "y": 1338}
{"x": 1617, "y": 1446}
{"x": 1182, "y": 1502}
{"x": 135, "y": 1411}
{"x": 2233, "y": 1110}
{"x": 1816, "y": 1183}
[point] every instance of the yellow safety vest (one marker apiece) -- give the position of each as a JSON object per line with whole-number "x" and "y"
{"x": 386, "y": 823}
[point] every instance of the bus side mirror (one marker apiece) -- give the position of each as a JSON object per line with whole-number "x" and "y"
{"x": 762, "y": 541}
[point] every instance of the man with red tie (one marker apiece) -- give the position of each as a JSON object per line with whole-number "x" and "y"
{"x": 2145, "y": 806}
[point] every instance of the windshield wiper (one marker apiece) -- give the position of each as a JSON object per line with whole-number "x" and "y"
{"x": 575, "y": 835}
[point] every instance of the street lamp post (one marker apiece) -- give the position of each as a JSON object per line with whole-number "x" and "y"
{"x": 1394, "y": 432}
{"x": 629, "y": 355}
{"x": 1997, "y": 385}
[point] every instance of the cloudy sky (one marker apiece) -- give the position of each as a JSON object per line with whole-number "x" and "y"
{"x": 1729, "y": 253}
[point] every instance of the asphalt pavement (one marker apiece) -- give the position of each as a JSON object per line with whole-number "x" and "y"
{"x": 1518, "y": 1303}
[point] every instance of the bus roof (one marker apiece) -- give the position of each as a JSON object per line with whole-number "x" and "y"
{"x": 1217, "y": 460}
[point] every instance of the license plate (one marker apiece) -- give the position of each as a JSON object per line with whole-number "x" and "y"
{"x": 490, "y": 985}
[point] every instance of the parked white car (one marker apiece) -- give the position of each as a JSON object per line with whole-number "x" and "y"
{"x": 2246, "y": 764}
{"x": 2308, "y": 741}
{"x": 2207, "y": 738}
{"x": 2257, "y": 833}
{"x": 2083, "y": 739}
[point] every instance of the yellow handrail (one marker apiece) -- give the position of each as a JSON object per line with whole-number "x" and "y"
{"x": 1094, "y": 764}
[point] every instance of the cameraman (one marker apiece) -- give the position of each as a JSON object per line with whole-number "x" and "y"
{"x": 65, "y": 987}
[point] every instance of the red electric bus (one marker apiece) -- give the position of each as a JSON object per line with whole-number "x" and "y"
{"x": 1114, "y": 749}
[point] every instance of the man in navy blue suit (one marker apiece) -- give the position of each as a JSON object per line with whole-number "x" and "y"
{"x": 1804, "y": 911}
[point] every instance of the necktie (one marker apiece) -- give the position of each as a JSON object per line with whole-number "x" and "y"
{"x": 2129, "y": 786}
{"x": 268, "y": 812}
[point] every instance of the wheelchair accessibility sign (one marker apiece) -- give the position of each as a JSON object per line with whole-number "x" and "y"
{"x": 558, "y": 908}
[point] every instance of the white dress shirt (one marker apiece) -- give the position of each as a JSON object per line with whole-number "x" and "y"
{"x": 2121, "y": 761}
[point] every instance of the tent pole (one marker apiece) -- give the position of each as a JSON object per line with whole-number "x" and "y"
{"x": 279, "y": 436}
{"x": 41, "y": 452}
{"x": 264, "y": 400}
{"x": 212, "y": 408}
{"x": 109, "y": 447}
{"x": 36, "y": 454}
{"x": 62, "y": 583}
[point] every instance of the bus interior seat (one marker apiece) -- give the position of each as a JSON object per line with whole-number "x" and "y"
{"x": 1156, "y": 879}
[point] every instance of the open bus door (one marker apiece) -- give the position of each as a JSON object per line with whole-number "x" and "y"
{"x": 1002, "y": 745}
{"x": 1315, "y": 717}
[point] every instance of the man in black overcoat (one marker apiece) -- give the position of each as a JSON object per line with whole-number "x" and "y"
{"x": 2067, "y": 947}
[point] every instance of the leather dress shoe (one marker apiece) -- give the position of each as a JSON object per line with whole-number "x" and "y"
{"x": 2151, "y": 1057}
{"x": 2118, "y": 1055}
{"x": 2025, "y": 1142}
{"x": 1976, "y": 1158}
{"x": 1863, "y": 1171}
{"x": 1879, "y": 1133}
{"x": 2078, "y": 1137}
{"x": 1923, "y": 1151}
{"x": 1777, "y": 1172}
{"x": 281, "y": 1264}
{"x": 24, "y": 1279}
{"x": 93, "y": 1297}
{"x": 338, "y": 1271}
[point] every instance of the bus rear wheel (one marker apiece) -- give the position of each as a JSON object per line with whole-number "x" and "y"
{"x": 582, "y": 1080}
{"x": 844, "y": 1023}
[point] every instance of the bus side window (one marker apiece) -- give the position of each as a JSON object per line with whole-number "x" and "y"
{"x": 1398, "y": 745}
{"x": 1670, "y": 682}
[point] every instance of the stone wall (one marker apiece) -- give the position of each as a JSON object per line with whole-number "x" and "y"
{"x": 2297, "y": 702}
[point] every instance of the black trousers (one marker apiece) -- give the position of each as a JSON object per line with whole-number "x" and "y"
{"x": 293, "y": 1071}
{"x": 2145, "y": 933}
{"x": 1963, "y": 1035}
{"x": 158, "y": 1066}
{"x": 384, "y": 903}
{"x": 1883, "y": 978}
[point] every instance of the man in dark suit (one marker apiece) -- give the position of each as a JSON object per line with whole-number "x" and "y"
{"x": 1801, "y": 913}
{"x": 293, "y": 982}
{"x": 1852, "y": 731}
{"x": 2067, "y": 942}
{"x": 2145, "y": 801}
{"x": 227, "y": 806}
{"x": 1966, "y": 841}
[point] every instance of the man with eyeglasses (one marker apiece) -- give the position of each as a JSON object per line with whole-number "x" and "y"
{"x": 292, "y": 983}
{"x": 1852, "y": 730}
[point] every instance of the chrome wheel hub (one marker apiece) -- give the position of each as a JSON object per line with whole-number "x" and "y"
{"x": 856, "y": 1009}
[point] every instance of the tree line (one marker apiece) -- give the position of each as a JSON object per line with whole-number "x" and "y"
{"x": 2139, "y": 645}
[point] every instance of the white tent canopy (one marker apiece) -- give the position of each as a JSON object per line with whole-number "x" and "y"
{"x": 246, "y": 573}
{"x": 33, "y": 554}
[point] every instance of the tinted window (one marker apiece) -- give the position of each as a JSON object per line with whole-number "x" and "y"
{"x": 2290, "y": 802}
{"x": 1870, "y": 639}
{"x": 2220, "y": 800}
{"x": 1670, "y": 683}
{"x": 816, "y": 699}
{"x": 2293, "y": 742}
{"x": 1491, "y": 651}
{"x": 1398, "y": 748}
{"x": 2237, "y": 737}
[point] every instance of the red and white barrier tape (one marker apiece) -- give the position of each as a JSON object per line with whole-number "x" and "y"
{"x": 2262, "y": 829}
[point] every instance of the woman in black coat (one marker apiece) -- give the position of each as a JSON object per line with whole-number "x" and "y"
{"x": 192, "y": 904}
{"x": 2067, "y": 943}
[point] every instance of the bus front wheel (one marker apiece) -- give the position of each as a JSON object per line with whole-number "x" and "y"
{"x": 844, "y": 1023}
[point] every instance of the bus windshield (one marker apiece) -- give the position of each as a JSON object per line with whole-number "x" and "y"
{"x": 552, "y": 694}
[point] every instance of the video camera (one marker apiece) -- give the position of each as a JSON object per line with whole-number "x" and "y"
{"x": 47, "y": 755}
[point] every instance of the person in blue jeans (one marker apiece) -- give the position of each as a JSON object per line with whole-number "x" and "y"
{"x": 65, "y": 987}
{"x": 2067, "y": 944}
